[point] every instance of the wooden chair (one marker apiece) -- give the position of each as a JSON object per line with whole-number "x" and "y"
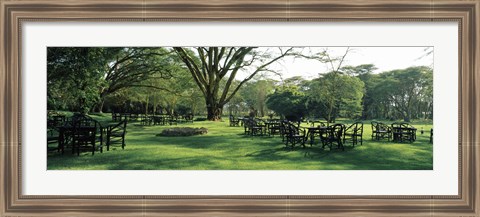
{"x": 172, "y": 120}
{"x": 383, "y": 131}
{"x": 334, "y": 135}
{"x": 83, "y": 138}
{"x": 246, "y": 126}
{"x": 283, "y": 129}
{"x": 234, "y": 122}
{"x": 116, "y": 134}
{"x": 274, "y": 127}
{"x": 431, "y": 136}
{"x": 294, "y": 135}
{"x": 374, "y": 129}
{"x": 410, "y": 132}
{"x": 65, "y": 135}
{"x": 312, "y": 134}
{"x": 354, "y": 133}
{"x": 86, "y": 133}
{"x": 256, "y": 128}
{"x": 53, "y": 139}
{"x": 188, "y": 118}
{"x": 158, "y": 120}
{"x": 145, "y": 119}
{"x": 403, "y": 132}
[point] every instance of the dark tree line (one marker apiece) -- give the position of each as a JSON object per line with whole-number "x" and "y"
{"x": 358, "y": 93}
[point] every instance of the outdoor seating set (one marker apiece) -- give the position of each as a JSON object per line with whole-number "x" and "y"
{"x": 293, "y": 134}
{"x": 332, "y": 136}
{"x": 81, "y": 132}
{"x": 254, "y": 127}
{"x": 258, "y": 127}
{"x": 397, "y": 132}
{"x": 234, "y": 122}
{"x": 336, "y": 134}
{"x": 125, "y": 116}
{"x": 162, "y": 119}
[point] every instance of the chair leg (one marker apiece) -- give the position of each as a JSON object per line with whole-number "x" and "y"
{"x": 101, "y": 143}
{"x": 108, "y": 142}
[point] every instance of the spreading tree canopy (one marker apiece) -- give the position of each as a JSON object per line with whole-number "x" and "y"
{"x": 210, "y": 66}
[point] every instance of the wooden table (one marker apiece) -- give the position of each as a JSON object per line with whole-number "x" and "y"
{"x": 270, "y": 126}
{"x": 66, "y": 132}
{"x": 318, "y": 130}
{"x": 402, "y": 134}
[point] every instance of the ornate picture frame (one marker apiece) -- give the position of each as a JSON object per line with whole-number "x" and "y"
{"x": 13, "y": 13}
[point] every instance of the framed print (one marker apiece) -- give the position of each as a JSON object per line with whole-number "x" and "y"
{"x": 233, "y": 108}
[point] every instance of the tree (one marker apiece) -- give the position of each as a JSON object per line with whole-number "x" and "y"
{"x": 407, "y": 88}
{"x": 255, "y": 94}
{"x": 210, "y": 65}
{"x": 289, "y": 102}
{"x": 131, "y": 67}
{"x": 80, "y": 78}
{"x": 359, "y": 70}
{"x": 334, "y": 94}
{"x": 73, "y": 77}
{"x": 365, "y": 73}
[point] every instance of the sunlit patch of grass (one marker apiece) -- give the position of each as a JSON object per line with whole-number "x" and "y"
{"x": 226, "y": 148}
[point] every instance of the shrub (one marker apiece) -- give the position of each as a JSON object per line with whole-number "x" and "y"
{"x": 183, "y": 131}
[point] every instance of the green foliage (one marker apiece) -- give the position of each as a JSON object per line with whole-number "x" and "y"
{"x": 80, "y": 79}
{"x": 134, "y": 79}
{"x": 289, "y": 102}
{"x": 408, "y": 92}
{"x": 255, "y": 94}
{"x": 358, "y": 70}
{"x": 74, "y": 77}
{"x": 334, "y": 95}
{"x": 214, "y": 70}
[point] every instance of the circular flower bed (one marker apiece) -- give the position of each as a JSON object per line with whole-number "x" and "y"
{"x": 183, "y": 131}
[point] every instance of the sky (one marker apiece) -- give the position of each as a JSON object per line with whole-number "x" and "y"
{"x": 384, "y": 58}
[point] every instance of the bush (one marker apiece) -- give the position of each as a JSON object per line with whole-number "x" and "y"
{"x": 183, "y": 131}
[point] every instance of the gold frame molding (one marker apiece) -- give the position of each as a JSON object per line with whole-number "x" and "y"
{"x": 14, "y": 12}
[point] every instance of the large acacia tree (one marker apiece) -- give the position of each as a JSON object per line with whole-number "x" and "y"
{"x": 210, "y": 65}
{"x": 134, "y": 67}
{"x": 73, "y": 77}
{"x": 80, "y": 78}
{"x": 408, "y": 91}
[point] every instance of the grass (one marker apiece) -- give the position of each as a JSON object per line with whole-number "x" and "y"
{"x": 226, "y": 148}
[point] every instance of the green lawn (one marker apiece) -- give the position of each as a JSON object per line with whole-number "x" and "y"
{"x": 226, "y": 148}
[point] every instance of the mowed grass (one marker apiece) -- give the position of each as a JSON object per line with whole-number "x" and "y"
{"x": 226, "y": 148}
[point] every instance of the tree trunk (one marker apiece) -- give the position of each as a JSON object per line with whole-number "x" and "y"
{"x": 214, "y": 108}
{"x": 99, "y": 106}
{"x": 262, "y": 109}
{"x": 146, "y": 105}
{"x": 214, "y": 113}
